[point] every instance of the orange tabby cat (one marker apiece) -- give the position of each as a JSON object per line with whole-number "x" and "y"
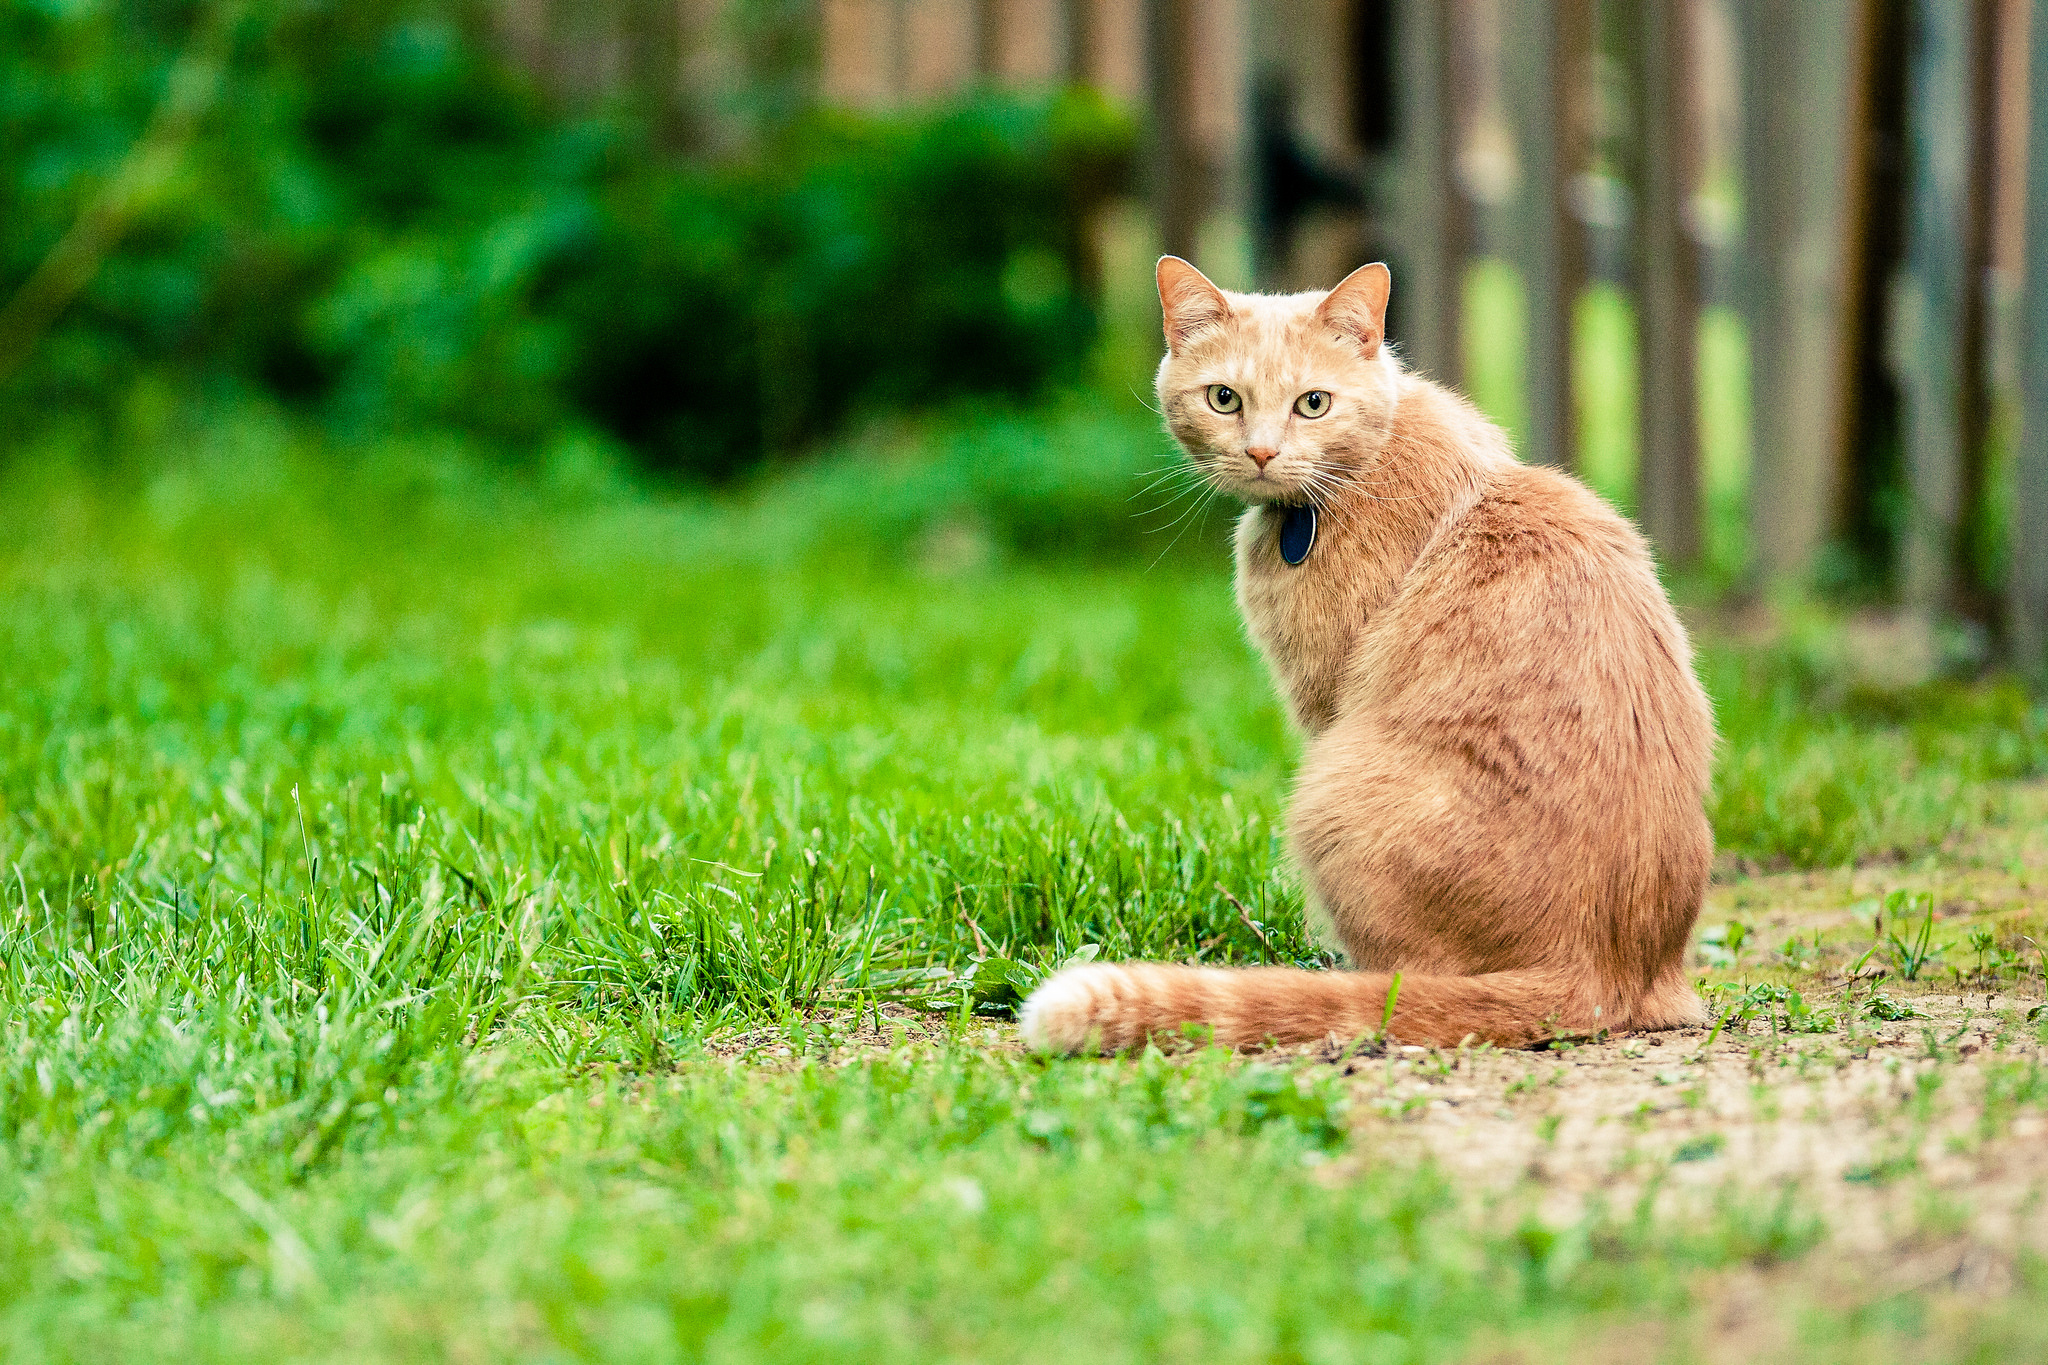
{"x": 1501, "y": 797}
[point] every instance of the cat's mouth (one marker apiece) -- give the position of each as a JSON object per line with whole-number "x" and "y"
{"x": 1260, "y": 486}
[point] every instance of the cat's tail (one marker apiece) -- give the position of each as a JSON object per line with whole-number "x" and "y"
{"x": 1110, "y": 1007}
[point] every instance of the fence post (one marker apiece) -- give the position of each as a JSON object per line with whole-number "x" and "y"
{"x": 1797, "y": 78}
{"x": 988, "y": 40}
{"x": 1668, "y": 284}
{"x": 1941, "y": 352}
{"x": 1548, "y": 44}
{"x": 1428, "y": 291}
{"x": 1174, "y": 155}
{"x": 2028, "y": 602}
{"x": 1083, "y": 38}
{"x": 860, "y": 58}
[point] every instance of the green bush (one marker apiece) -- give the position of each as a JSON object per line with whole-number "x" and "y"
{"x": 383, "y": 223}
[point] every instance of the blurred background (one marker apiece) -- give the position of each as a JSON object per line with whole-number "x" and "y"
{"x": 1768, "y": 275}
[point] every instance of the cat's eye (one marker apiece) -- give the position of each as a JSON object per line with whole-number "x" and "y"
{"x": 1314, "y": 403}
{"x": 1225, "y": 399}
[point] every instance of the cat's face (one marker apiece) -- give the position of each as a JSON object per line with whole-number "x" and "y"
{"x": 1277, "y": 398}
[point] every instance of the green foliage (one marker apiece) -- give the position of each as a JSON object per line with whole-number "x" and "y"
{"x": 383, "y": 222}
{"x": 1079, "y": 479}
{"x": 1313, "y": 1107}
{"x": 1702, "y": 1148}
{"x": 1801, "y": 1017}
{"x": 920, "y": 1203}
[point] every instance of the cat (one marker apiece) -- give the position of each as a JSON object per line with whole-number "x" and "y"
{"x": 1499, "y": 816}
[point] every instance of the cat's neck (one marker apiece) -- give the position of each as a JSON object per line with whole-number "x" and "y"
{"x": 1429, "y": 467}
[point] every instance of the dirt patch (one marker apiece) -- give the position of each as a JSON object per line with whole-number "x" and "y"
{"x": 1898, "y": 1104}
{"x": 838, "y": 1036}
{"x": 1872, "y": 1123}
{"x": 1903, "y": 1103}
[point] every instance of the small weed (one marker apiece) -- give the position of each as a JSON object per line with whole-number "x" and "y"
{"x": 1882, "y": 1007}
{"x": 1926, "y": 1085}
{"x": 1311, "y": 1105}
{"x": 1401, "y": 1106}
{"x": 1780, "y": 1008}
{"x": 1914, "y": 951}
{"x": 1936, "y": 1048}
{"x": 1700, "y": 1148}
{"x": 1801, "y": 954}
{"x": 1883, "y": 1171}
{"x": 1802, "y": 1018}
{"x": 1984, "y": 943}
{"x": 1721, "y": 946}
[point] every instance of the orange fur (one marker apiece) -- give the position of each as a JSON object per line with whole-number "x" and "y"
{"x": 1501, "y": 794}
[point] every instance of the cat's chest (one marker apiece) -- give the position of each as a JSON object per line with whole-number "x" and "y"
{"x": 1284, "y": 567}
{"x": 1300, "y": 606}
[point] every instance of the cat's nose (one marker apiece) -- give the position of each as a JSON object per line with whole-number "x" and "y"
{"x": 1261, "y": 454}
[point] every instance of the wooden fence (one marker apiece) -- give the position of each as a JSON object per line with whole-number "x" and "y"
{"x": 1891, "y": 266}
{"x": 1894, "y": 305}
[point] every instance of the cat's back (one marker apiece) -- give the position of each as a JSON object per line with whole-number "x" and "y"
{"x": 1539, "y": 533}
{"x": 1539, "y": 607}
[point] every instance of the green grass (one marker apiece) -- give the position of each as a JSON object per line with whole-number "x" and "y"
{"x": 432, "y": 908}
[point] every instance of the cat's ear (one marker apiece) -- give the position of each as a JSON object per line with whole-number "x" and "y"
{"x": 1357, "y": 307}
{"x": 1188, "y": 300}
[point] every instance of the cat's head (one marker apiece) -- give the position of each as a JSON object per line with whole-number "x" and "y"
{"x": 1277, "y": 397}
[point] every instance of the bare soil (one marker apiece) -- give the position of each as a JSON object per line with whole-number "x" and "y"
{"x": 1919, "y": 1143}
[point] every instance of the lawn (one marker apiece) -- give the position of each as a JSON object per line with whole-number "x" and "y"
{"x": 457, "y": 915}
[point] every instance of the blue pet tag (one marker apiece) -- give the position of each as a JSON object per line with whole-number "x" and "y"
{"x": 1297, "y": 533}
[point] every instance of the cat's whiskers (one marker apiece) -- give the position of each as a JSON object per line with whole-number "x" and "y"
{"x": 1168, "y": 506}
{"x": 1178, "y": 477}
{"x": 1200, "y": 509}
{"x": 1204, "y": 489}
{"x": 1178, "y": 471}
{"x": 1324, "y": 486}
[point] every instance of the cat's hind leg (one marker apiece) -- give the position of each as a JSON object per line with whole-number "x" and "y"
{"x": 1423, "y": 867}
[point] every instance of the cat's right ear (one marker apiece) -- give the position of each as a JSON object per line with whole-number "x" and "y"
{"x": 1357, "y": 307}
{"x": 1190, "y": 303}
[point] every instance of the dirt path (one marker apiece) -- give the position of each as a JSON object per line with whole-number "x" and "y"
{"x": 1912, "y": 1120}
{"x": 1952, "y": 1098}
{"x": 1956, "y": 1102}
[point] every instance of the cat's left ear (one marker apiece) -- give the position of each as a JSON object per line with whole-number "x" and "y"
{"x": 1357, "y": 307}
{"x": 1190, "y": 304}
